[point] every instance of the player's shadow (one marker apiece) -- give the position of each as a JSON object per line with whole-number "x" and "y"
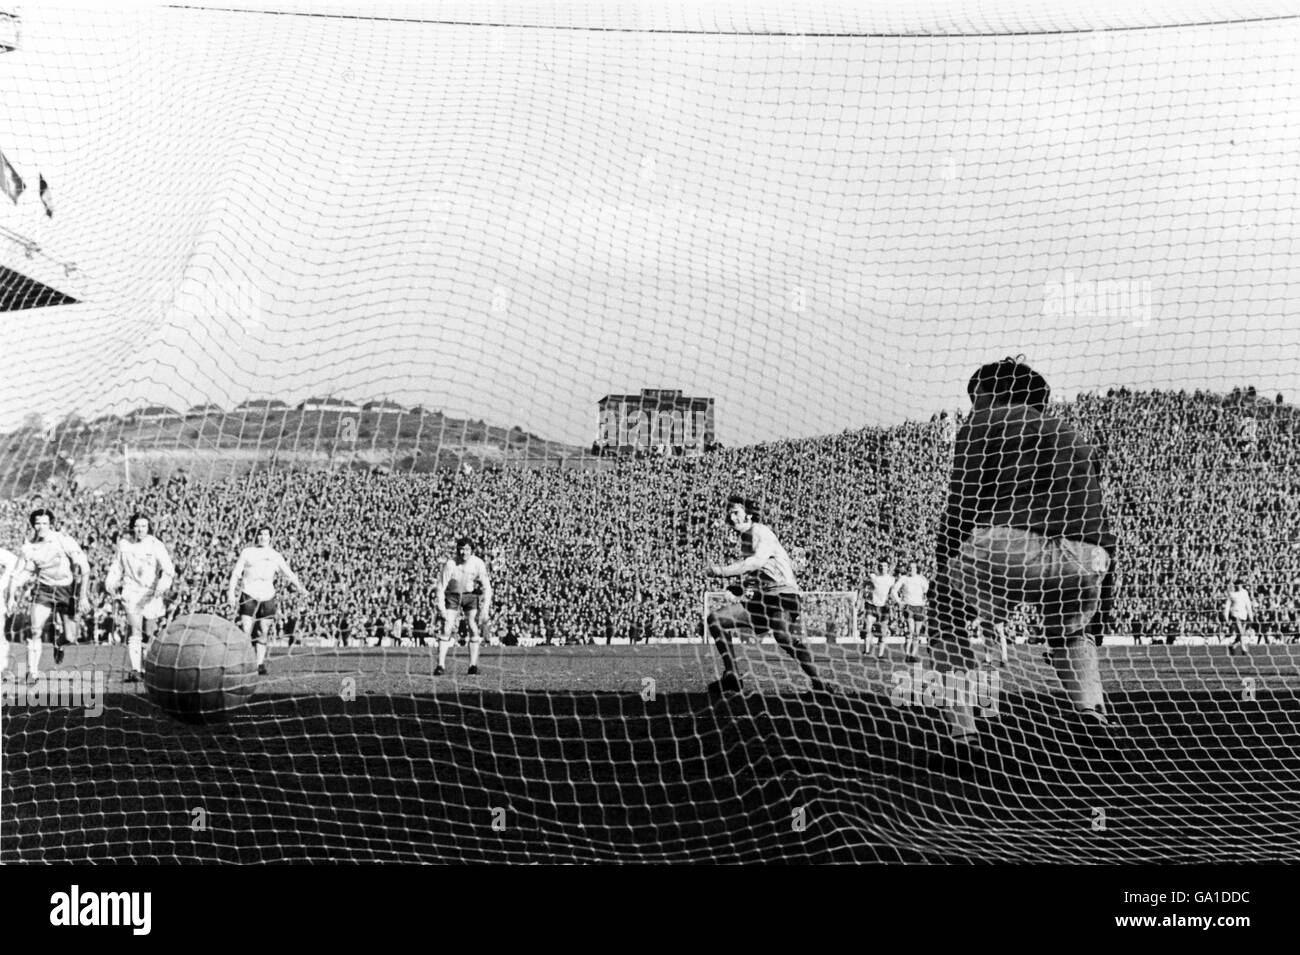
{"x": 588, "y": 776}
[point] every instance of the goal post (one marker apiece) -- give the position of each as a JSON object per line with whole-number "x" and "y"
{"x": 826, "y": 616}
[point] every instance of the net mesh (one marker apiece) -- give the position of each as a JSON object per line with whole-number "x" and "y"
{"x": 365, "y": 278}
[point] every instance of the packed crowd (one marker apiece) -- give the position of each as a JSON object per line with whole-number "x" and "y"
{"x": 1201, "y": 489}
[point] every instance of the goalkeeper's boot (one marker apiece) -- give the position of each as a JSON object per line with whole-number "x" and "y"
{"x": 439, "y": 670}
{"x": 262, "y": 670}
{"x": 472, "y": 671}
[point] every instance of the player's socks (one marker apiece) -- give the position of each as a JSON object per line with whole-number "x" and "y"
{"x": 443, "y": 647}
{"x": 33, "y": 657}
{"x": 1077, "y": 668}
{"x": 803, "y": 656}
{"x": 4, "y": 648}
{"x": 726, "y": 653}
{"x": 133, "y": 653}
{"x": 474, "y": 646}
{"x": 961, "y": 721}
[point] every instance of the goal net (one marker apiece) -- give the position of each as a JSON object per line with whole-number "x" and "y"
{"x": 562, "y": 278}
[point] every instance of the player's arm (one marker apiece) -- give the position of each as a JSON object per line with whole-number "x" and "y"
{"x": 291, "y": 577}
{"x": 441, "y": 591}
{"x": 762, "y": 552}
{"x": 236, "y": 576}
{"x": 113, "y": 582}
{"x": 487, "y": 591}
{"x": 17, "y": 580}
{"x": 896, "y": 592}
{"x": 82, "y": 565}
{"x": 8, "y": 571}
{"x": 166, "y": 570}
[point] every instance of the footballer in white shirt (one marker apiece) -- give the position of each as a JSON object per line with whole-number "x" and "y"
{"x": 464, "y": 589}
{"x": 8, "y": 562}
{"x": 770, "y": 600}
{"x": 1238, "y": 610}
{"x": 141, "y": 572}
{"x": 911, "y": 592}
{"x": 252, "y": 590}
{"x": 882, "y": 585}
{"x": 62, "y": 579}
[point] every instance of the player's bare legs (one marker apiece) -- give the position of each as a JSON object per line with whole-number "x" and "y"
{"x": 40, "y": 619}
{"x": 65, "y": 634}
{"x": 252, "y": 628}
{"x": 779, "y": 627}
{"x": 135, "y": 633}
{"x": 1237, "y": 645}
{"x": 915, "y": 630}
{"x": 995, "y": 640}
{"x": 950, "y": 650}
{"x": 723, "y": 625}
{"x": 260, "y": 629}
{"x": 449, "y": 620}
{"x": 475, "y": 640}
{"x": 881, "y": 635}
{"x": 1078, "y": 670}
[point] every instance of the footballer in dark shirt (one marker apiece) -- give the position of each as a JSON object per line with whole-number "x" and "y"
{"x": 1023, "y": 525}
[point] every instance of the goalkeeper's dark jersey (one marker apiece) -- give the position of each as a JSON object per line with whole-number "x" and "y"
{"x": 1017, "y": 466}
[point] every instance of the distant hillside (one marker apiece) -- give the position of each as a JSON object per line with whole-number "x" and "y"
{"x": 207, "y": 443}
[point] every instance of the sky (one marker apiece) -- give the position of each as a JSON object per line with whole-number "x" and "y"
{"x": 509, "y": 222}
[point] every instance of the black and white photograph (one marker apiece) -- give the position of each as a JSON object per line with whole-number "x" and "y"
{"x": 737, "y": 433}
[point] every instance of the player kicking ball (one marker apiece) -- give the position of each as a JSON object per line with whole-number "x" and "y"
{"x": 464, "y": 589}
{"x": 770, "y": 601}
{"x": 141, "y": 573}
{"x": 252, "y": 590}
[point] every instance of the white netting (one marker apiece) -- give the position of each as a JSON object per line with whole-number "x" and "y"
{"x": 365, "y": 276}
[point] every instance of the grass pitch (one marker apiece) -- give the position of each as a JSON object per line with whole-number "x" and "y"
{"x": 618, "y": 753}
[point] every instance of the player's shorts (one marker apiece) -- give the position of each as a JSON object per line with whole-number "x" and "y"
{"x": 915, "y": 611}
{"x": 879, "y": 611}
{"x": 465, "y": 602}
{"x": 133, "y": 601}
{"x": 998, "y": 568}
{"x": 768, "y": 609}
{"x": 258, "y": 609}
{"x": 58, "y": 597}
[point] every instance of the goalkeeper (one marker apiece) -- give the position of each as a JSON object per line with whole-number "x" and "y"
{"x": 1023, "y": 524}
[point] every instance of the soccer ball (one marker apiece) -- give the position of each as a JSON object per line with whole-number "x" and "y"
{"x": 200, "y": 668}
